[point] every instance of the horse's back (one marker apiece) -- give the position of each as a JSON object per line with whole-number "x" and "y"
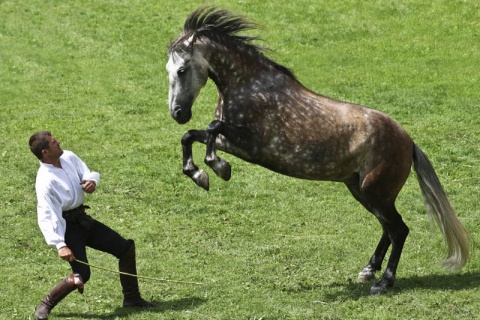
{"x": 316, "y": 137}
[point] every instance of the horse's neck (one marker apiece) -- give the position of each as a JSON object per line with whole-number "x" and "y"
{"x": 229, "y": 68}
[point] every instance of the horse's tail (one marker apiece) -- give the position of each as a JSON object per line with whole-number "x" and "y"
{"x": 438, "y": 207}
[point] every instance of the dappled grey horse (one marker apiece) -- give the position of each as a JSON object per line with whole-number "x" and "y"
{"x": 267, "y": 117}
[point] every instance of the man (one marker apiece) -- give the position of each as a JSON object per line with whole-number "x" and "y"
{"x": 61, "y": 182}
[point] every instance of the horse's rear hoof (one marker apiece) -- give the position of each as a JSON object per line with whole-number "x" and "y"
{"x": 380, "y": 287}
{"x": 201, "y": 179}
{"x": 377, "y": 291}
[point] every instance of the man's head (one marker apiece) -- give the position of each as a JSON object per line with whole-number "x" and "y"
{"x": 44, "y": 146}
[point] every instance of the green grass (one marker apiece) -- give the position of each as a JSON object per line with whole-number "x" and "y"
{"x": 264, "y": 246}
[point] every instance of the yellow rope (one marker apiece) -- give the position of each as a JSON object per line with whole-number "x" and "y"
{"x": 136, "y": 275}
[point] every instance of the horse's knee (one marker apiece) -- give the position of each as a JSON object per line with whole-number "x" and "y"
{"x": 187, "y": 138}
{"x": 214, "y": 127}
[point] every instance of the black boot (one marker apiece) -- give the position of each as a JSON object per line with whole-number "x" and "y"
{"x": 131, "y": 293}
{"x": 61, "y": 290}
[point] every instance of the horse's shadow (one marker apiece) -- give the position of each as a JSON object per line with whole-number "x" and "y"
{"x": 445, "y": 282}
{"x": 183, "y": 304}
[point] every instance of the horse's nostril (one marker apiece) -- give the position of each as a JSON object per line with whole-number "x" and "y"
{"x": 178, "y": 113}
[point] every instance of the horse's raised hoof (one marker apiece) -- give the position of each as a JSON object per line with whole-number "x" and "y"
{"x": 201, "y": 179}
{"x": 222, "y": 169}
{"x": 366, "y": 274}
{"x": 380, "y": 287}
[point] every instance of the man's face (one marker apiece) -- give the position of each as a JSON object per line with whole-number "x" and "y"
{"x": 54, "y": 150}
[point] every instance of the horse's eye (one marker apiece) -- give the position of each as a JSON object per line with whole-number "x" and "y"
{"x": 181, "y": 71}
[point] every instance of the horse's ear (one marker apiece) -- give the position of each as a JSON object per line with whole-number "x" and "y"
{"x": 191, "y": 41}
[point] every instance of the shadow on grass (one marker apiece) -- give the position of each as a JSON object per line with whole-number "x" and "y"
{"x": 183, "y": 304}
{"x": 351, "y": 290}
{"x": 451, "y": 282}
{"x": 445, "y": 282}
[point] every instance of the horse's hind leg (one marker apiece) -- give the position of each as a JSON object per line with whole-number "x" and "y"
{"x": 375, "y": 263}
{"x": 377, "y": 199}
{"x": 189, "y": 168}
{"x": 397, "y": 232}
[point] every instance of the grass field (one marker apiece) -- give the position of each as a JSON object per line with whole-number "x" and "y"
{"x": 264, "y": 246}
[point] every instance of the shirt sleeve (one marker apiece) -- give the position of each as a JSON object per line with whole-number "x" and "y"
{"x": 50, "y": 220}
{"x": 84, "y": 172}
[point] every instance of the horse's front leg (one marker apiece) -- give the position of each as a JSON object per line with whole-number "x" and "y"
{"x": 221, "y": 167}
{"x": 199, "y": 176}
{"x": 239, "y": 137}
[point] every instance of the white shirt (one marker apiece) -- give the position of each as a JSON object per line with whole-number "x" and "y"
{"x": 59, "y": 189}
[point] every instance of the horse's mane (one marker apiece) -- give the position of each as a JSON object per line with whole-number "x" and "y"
{"x": 223, "y": 27}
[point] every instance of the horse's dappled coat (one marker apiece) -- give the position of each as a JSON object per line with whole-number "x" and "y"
{"x": 266, "y": 116}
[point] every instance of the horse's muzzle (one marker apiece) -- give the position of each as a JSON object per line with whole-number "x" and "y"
{"x": 181, "y": 116}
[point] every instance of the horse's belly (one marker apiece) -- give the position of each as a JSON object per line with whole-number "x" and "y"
{"x": 310, "y": 167}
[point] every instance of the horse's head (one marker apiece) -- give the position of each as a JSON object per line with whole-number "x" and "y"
{"x": 187, "y": 72}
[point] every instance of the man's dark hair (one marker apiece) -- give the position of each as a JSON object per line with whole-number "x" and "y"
{"x": 38, "y": 142}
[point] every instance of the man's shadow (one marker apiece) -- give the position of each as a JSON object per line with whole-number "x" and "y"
{"x": 183, "y": 304}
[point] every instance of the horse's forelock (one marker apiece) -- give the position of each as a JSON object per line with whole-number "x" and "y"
{"x": 179, "y": 43}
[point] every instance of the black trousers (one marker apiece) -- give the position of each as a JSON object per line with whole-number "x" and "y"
{"x": 99, "y": 237}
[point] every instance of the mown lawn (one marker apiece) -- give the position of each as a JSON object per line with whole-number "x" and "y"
{"x": 264, "y": 246}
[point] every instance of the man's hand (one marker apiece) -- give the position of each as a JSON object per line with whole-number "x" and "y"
{"x": 66, "y": 254}
{"x": 88, "y": 186}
